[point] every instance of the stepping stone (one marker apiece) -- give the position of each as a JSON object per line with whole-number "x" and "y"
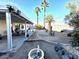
{"x": 65, "y": 57}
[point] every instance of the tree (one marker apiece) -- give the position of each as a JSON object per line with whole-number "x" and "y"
{"x": 49, "y": 20}
{"x": 72, "y": 6}
{"x": 73, "y": 16}
{"x": 37, "y": 10}
{"x": 73, "y": 20}
{"x": 75, "y": 37}
{"x": 44, "y": 6}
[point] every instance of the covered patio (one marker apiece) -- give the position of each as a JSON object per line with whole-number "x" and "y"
{"x": 13, "y": 28}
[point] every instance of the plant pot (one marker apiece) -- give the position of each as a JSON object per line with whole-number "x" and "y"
{"x": 36, "y": 54}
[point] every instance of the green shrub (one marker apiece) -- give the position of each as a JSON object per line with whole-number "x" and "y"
{"x": 39, "y": 26}
{"x": 69, "y": 34}
{"x": 75, "y": 37}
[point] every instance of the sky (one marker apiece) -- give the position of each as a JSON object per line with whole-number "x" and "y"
{"x": 57, "y": 8}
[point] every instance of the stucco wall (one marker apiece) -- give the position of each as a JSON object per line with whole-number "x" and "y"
{"x": 3, "y": 30}
{"x": 2, "y": 27}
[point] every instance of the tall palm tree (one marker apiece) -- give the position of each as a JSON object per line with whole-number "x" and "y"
{"x": 44, "y": 5}
{"x": 49, "y": 20}
{"x": 37, "y": 10}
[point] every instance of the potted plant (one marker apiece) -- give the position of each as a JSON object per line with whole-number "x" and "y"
{"x": 0, "y": 37}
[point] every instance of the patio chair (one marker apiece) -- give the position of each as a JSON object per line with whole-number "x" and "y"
{"x": 17, "y": 31}
{"x": 27, "y": 35}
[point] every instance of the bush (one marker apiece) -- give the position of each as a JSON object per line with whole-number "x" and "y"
{"x": 46, "y": 30}
{"x": 75, "y": 37}
{"x": 69, "y": 34}
{"x": 39, "y": 26}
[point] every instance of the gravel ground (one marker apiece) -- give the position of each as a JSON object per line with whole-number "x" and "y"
{"x": 58, "y": 38}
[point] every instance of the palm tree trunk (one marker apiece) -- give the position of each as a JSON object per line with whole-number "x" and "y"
{"x": 50, "y": 30}
{"x": 37, "y": 19}
{"x": 50, "y": 26}
{"x": 44, "y": 16}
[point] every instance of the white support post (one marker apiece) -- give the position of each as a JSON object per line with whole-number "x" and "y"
{"x": 9, "y": 32}
{"x": 25, "y": 30}
{"x": 32, "y": 27}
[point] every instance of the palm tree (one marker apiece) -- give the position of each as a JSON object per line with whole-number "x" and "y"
{"x": 44, "y": 5}
{"x": 37, "y": 10}
{"x": 49, "y": 20}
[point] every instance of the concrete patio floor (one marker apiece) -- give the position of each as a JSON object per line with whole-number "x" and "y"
{"x": 17, "y": 42}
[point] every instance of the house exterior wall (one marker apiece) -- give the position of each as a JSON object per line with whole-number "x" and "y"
{"x": 3, "y": 27}
{"x": 3, "y": 30}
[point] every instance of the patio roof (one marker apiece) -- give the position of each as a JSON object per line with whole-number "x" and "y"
{"x": 12, "y": 15}
{"x": 16, "y": 17}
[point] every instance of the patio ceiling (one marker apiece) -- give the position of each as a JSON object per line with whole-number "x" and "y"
{"x": 15, "y": 18}
{"x": 2, "y": 15}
